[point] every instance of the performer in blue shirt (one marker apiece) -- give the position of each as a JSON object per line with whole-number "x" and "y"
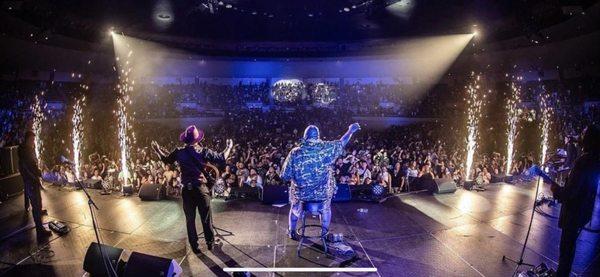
{"x": 309, "y": 168}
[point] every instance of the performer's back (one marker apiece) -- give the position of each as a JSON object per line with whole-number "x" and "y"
{"x": 309, "y": 165}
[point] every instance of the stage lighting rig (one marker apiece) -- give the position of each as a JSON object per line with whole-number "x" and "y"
{"x": 210, "y": 6}
{"x": 476, "y": 31}
{"x": 401, "y": 8}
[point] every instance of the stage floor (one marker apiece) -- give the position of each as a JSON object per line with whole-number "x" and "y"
{"x": 460, "y": 234}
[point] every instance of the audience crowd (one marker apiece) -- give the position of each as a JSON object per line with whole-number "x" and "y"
{"x": 391, "y": 158}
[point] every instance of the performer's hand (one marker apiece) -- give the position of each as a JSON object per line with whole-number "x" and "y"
{"x": 354, "y": 127}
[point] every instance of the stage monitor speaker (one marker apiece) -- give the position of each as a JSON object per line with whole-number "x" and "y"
{"x": 96, "y": 266}
{"x": 469, "y": 185}
{"x": 443, "y": 185}
{"x": 422, "y": 183}
{"x": 274, "y": 194}
{"x": 501, "y": 178}
{"x": 151, "y": 192}
{"x": 9, "y": 160}
{"x": 11, "y": 186}
{"x": 92, "y": 184}
{"x": 140, "y": 264}
{"x": 343, "y": 193}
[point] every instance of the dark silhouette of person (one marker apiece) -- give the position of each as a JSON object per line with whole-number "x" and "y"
{"x": 578, "y": 197}
{"x": 31, "y": 174}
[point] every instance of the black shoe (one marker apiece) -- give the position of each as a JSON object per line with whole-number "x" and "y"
{"x": 196, "y": 250}
{"x": 210, "y": 245}
{"x": 43, "y": 232}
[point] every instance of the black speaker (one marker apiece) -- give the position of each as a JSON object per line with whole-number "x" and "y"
{"x": 9, "y": 160}
{"x": 140, "y": 264}
{"x": 96, "y": 266}
{"x": 274, "y": 194}
{"x": 151, "y": 192}
{"x": 343, "y": 193}
{"x": 92, "y": 184}
{"x": 443, "y": 185}
{"x": 501, "y": 178}
{"x": 422, "y": 183}
{"x": 10, "y": 186}
{"x": 469, "y": 185}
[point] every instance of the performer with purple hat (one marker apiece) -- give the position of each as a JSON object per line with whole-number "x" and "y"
{"x": 192, "y": 159}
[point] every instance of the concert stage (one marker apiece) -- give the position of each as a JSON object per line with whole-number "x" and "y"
{"x": 460, "y": 234}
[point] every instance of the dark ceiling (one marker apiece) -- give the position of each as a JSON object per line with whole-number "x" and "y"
{"x": 292, "y": 20}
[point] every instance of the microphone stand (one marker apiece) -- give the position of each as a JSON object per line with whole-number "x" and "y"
{"x": 92, "y": 205}
{"x": 520, "y": 261}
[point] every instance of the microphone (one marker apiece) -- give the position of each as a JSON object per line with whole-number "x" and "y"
{"x": 535, "y": 170}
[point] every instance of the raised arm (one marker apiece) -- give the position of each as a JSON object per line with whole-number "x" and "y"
{"x": 161, "y": 153}
{"x": 351, "y": 130}
{"x": 228, "y": 147}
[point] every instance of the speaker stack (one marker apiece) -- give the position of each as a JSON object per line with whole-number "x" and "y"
{"x": 124, "y": 263}
{"x": 11, "y": 183}
{"x": 9, "y": 160}
{"x": 442, "y": 185}
{"x": 152, "y": 192}
{"x": 92, "y": 184}
{"x": 501, "y": 178}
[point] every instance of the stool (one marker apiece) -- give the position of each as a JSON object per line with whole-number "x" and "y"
{"x": 312, "y": 208}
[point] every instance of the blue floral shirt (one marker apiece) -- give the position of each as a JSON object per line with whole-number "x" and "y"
{"x": 309, "y": 167}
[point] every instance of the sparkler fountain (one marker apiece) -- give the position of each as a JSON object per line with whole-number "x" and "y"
{"x": 38, "y": 117}
{"x": 124, "y": 125}
{"x": 77, "y": 135}
{"x": 546, "y": 114}
{"x": 474, "y": 103}
{"x": 512, "y": 118}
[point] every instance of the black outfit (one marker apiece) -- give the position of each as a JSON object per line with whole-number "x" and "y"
{"x": 192, "y": 160}
{"x": 397, "y": 178}
{"x": 577, "y": 198}
{"x": 31, "y": 175}
{"x": 571, "y": 154}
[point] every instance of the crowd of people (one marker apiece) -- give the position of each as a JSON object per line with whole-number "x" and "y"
{"x": 390, "y": 157}
{"x": 373, "y": 99}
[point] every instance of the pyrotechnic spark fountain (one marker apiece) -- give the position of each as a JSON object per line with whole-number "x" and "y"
{"x": 512, "y": 118}
{"x": 124, "y": 125}
{"x": 546, "y": 114}
{"x": 77, "y": 135}
{"x": 474, "y": 103}
{"x": 38, "y": 117}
